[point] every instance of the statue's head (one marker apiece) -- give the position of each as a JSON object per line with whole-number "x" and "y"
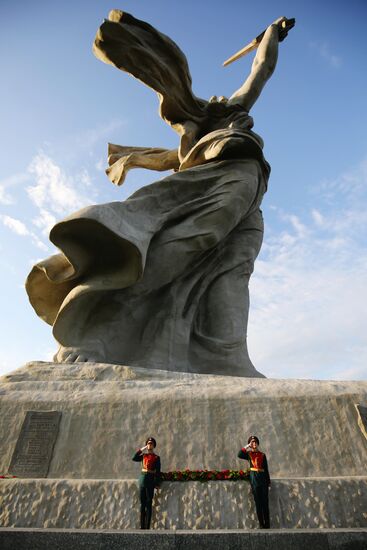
{"x": 217, "y": 106}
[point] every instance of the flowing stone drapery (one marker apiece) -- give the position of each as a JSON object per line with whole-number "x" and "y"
{"x": 161, "y": 279}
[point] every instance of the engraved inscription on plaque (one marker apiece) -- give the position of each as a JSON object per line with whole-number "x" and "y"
{"x": 33, "y": 451}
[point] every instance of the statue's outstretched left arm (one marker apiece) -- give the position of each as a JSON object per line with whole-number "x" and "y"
{"x": 262, "y": 67}
{"x": 121, "y": 159}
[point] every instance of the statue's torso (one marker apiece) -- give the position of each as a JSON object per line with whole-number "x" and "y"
{"x": 226, "y": 132}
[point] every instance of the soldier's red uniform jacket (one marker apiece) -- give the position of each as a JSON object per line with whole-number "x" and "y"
{"x": 151, "y": 467}
{"x": 259, "y": 472}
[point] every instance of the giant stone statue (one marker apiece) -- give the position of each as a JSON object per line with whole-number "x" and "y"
{"x": 161, "y": 279}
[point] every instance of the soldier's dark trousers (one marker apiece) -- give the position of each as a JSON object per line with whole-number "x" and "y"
{"x": 146, "y": 500}
{"x": 261, "y": 497}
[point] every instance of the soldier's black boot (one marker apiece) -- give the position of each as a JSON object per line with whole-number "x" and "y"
{"x": 143, "y": 520}
{"x": 149, "y": 517}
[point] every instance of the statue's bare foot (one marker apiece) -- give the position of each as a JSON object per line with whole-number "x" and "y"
{"x": 77, "y": 355}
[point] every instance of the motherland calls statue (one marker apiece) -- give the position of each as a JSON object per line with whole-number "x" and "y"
{"x": 161, "y": 279}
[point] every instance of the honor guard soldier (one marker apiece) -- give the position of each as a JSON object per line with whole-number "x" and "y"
{"x": 148, "y": 480}
{"x": 259, "y": 479}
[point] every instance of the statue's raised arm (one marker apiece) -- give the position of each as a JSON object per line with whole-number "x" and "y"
{"x": 263, "y": 65}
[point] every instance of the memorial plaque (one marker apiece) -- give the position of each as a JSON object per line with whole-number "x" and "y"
{"x": 33, "y": 451}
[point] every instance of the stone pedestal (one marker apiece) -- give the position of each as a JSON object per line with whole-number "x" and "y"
{"x": 310, "y": 430}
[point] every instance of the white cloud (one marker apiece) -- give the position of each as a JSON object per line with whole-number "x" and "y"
{"x": 55, "y": 194}
{"x": 18, "y": 227}
{"x": 89, "y": 138}
{"x": 323, "y": 49}
{"x": 354, "y": 373}
{"x": 88, "y": 143}
{"x": 14, "y": 225}
{"x": 101, "y": 165}
{"x": 299, "y": 227}
{"x": 308, "y": 292}
{"x": 307, "y": 316}
{"x": 350, "y": 183}
{"x": 318, "y": 218}
{"x": 44, "y": 221}
{"x": 40, "y": 244}
{"x": 84, "y": 178}
{"x": 5, "y": 198}
{"x": 16, "y": 179}
{"x": 54, "y": 191}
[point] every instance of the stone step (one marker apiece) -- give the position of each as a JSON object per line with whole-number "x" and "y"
{"x": 286, "y": 539}
{"x": 114, "y": 504}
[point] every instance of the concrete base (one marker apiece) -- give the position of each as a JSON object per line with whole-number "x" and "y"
{"x": 310, "y": 430}
{"x": 199, "y": 421}
{"x": 114, "y": 504}
{"x": 44, "y": 539}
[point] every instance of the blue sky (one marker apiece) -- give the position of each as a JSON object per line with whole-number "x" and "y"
{"x": 60, "y": 106}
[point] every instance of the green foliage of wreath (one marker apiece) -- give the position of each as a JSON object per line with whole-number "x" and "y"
{"x": 205, "y": 475}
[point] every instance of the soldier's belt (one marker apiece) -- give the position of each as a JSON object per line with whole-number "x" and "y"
{"x": 256, "y": 469}
{"x": 145, "y": 470}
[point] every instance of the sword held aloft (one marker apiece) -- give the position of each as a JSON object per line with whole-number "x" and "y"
{"x": 285, "y": 26}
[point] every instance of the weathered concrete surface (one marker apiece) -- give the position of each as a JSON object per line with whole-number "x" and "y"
{"x": 362, "y": 418}
{"x": 114, "y": 504}
{"x": 306, "y": 427}
{"x": 336, "y": 539}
